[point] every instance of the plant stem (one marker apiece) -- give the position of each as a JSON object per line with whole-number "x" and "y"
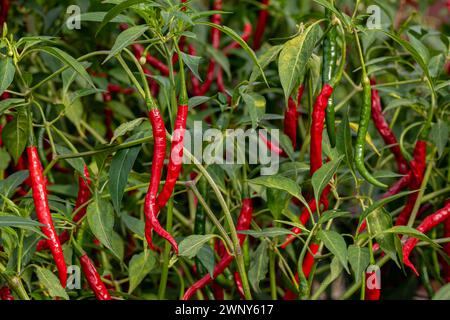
{"x": 167, "y": 247}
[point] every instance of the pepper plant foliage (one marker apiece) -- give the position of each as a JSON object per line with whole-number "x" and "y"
{"x": 361, "y": 165}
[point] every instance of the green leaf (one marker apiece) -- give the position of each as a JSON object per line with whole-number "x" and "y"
{"x": 332, "y": 214}
{"x": 335, "y": 243}
{"x": 256, "y": 106}
{"x": 264, "y": 60}
{"x": 377, "y": 223}
{"x": 70, "y": 61}
{"x": 294, "y": 56}
{"x": 126, "y": 127}
{"x": 8, "y": 185}
{"x": 121, "y": 165}
{"x": 359, "y": 259}
{"x": 8, "y": 103}
{"x": 280, "y": 183}
{"x": 7, "y": 71}
{"x": 115, "y": 11}
{"x": 192, "y": 63}
{"x": 267, "y": 232}
{"x": 238, "y": 39}
{"x": 196, "y": 101}
{"x": 51, "y": 283}
{"x": 411, "y": 232}
{"x": 136, "y": 226}
{"x": 381, "y": 203}
{"x": 19, "y": 222}
{"x": 126, "y": 38}
{"x": 100, "y": 16}
{"x": 140, "y": 266}
{"x": 206, "y": 257}
{"x": 191, "y": 245}
{"x": 277, "y": 201}
{"x": 322, "y": 177}
{"x": 5, "y": 159}
{"x": 443, "y": 293}
{"x": 76, "y": 163}
{"x": 439, "y": 135}
{"x": 259, "y": 265}
{"x": 100, "y": 217}
{"x": 15, "y": 134}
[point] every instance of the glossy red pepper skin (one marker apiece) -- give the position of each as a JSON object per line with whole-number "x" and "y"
{"x": 271, "y": 145}
{"x": 385, "y": 131}
{"x": 318, "y": 118}
{"x": 42, "y": 208}
{"x": 291, "y": 117}
{"x": 176, "y": 156}
{"x": 417, "y": 165}
{"x": 243, "y": 223}
{"x": 447, "y": 250}
{"x": 84, "y": 194}
{"x": 371, "y": 293}
{"x": 5, "y": 294}
{"x": 93, "y": 278}
{"x": 150, "y": 205}
{"x": 427, "y": 224}
{"x": 261, "y": 26}
{"x": 238, "y": 282}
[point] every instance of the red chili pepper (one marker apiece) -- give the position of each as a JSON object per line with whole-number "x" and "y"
{"x": 238, "y": 282}
{"x": 42, "y": 208}
{"x": 374, "y": 292}
{"x": 427, "y": 224}
{"x": 215, "y": 39}
{"x": 5, "y": 294}
{"x": 150, "y": 206}
{"x": 447, "y": 250}
{"x": 84, "y": 194}
{"x": 93, "y": 278}
{"x": 385, "y": 131}
{"x": 318, "y": 117}
{"x": 271, "y": 145}
{"x": 417, "y": 165}
{"x": 261, "y": 26}
{"x": 245, "y": 217}
{"x": 176, "y": 156}
{"x": 291, "y": 117}
{"x": 4, "y": 12}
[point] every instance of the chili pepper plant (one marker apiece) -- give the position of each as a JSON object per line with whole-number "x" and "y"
{"x": 166, "y": 149}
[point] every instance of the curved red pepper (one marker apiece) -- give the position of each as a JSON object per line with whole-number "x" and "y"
{"x": 427, "y": 224}
{"x": 84, "y": 194}
{"x": 5, "y": 294}
{"x": 176, "y": 156}
{"x": 150, "y": 206}
{"x": 247, "y": 32}
{"x": 385, "y": 131}
{"x": 417, "y": 165}
{"x": 318, "y": 117}
{"x": 244, "y": 220}
{"x": 371, "y": 293}
{"x": 261, "y": 26}
{"x": 42, "y": 208}
{"x": 93, "y": 278}
{"x": 291, "y": 118}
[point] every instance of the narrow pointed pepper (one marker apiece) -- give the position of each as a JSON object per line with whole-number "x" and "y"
{"x": 42, "y": 208}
